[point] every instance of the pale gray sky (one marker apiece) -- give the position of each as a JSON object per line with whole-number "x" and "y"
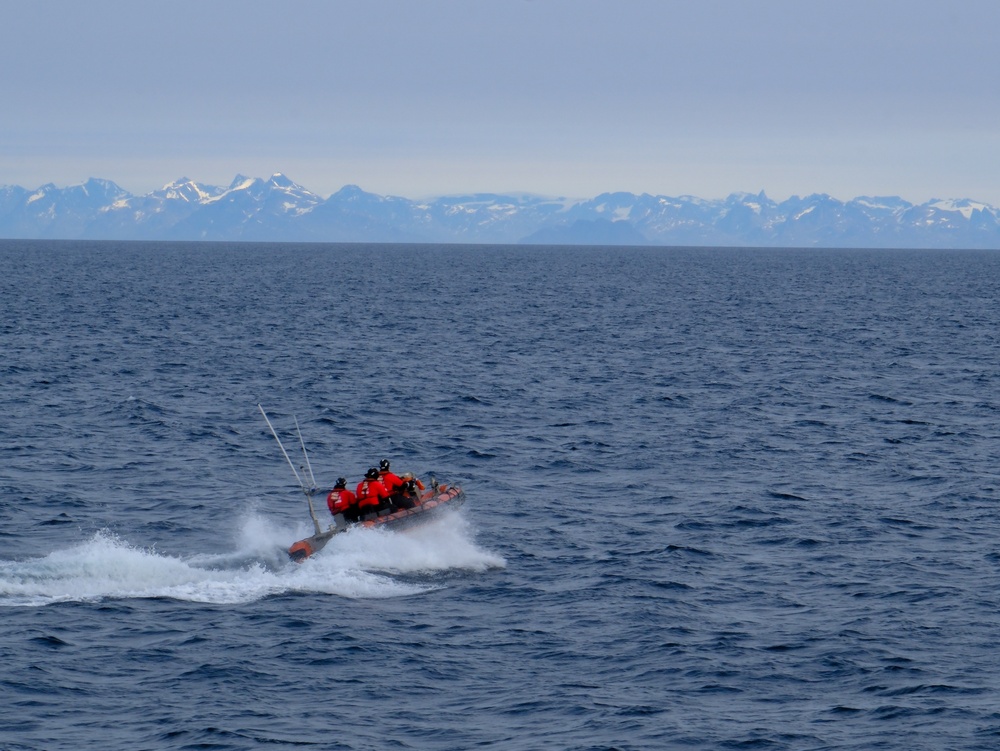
{"x": 560, "y": 97}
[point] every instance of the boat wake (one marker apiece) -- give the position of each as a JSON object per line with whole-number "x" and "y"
{"x": 359, "y": 564}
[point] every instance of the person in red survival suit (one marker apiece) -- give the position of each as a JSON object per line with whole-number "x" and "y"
{"x": 371, "y": 494}
{"x": 343, "y": 501}
{"x": 393, "y": 484}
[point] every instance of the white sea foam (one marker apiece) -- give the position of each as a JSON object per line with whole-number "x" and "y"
{"x": 359, "y": 564}
{"x": 444, "y": 545}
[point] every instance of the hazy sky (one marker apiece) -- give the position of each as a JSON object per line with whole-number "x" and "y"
{"x": 559, "y": 97}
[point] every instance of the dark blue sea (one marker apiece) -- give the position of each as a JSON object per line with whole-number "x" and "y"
{"x": 716, "y": 498}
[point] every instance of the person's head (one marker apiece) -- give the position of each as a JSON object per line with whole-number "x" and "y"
{"x": 341, "y": 483}
{"x": 407, "y": 476}
{"x": 371, "y": 474}
{"x": 384, "y": 465}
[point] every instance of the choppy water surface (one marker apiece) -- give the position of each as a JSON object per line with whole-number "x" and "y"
{"x": 716, "y": 498}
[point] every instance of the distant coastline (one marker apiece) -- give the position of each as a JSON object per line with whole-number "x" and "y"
{"x": 278, "y": 209}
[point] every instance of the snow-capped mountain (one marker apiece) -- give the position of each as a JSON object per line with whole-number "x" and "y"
{"x": 278, "y": 209}
{"x": 52, "y": 212}
{"x": 249, "y": 209}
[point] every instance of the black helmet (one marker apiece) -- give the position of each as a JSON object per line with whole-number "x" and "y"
{"x": 372, "y": 473}
{"x": 384, "y": 465}
{"x": 341, "y": 483}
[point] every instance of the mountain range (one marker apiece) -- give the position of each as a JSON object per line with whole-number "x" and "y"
{"x": 278, "y": 209}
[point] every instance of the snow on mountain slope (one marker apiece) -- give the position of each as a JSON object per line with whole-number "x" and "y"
{"x": 280, "y": 209}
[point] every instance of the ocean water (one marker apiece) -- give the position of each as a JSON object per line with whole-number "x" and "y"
{"x": 716, "y": 499}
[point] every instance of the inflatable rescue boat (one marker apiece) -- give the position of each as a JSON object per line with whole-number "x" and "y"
{"x": 428, "y": 506}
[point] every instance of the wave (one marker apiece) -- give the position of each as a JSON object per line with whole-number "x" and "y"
{"x": 359, "y": 564}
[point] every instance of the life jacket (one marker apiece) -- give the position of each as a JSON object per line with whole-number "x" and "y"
{"x": 370, "y": 492}
{"x": 393, "y": 483}
{"x": 339, "y": 501}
